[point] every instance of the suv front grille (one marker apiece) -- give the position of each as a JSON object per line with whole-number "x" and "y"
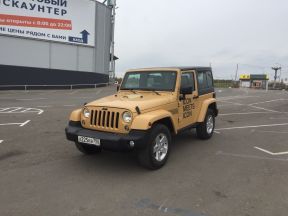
{"x": 105, "y": 119}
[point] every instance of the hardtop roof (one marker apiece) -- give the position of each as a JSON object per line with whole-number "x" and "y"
{"x": 182, "y": 68}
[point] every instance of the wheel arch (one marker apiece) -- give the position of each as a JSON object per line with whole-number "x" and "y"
{"x": 75, "y": 115}
{"x": 147, "y": 120}
{"x": 207, "y": 104}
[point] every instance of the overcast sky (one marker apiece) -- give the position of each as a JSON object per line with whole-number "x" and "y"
{"x": 253, "y": 33}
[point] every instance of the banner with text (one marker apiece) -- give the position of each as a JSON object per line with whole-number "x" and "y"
{"x": 70, "y": 21}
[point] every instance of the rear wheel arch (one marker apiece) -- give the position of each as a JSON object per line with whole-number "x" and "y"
{"x": 213, "y": 106}
{"x": 204, "y": 108}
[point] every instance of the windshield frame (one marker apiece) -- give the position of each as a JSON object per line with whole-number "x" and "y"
{"x": 149, "y": 89}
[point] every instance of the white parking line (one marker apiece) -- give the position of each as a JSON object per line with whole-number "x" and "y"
{"x": 269, "y": 110}
{"x": 73, "y": 92}
{"x": 234, "y": 97}
{"x": 4, "y": 109}
{"x": 44, "y": 106}
{"x": 20, "y": 124}
{"x": 252, "y": 126}
{"x": 281, "y": 99}
{"x": 23, "y": 124}
{"x": 69, "y": 105}
{"x": 31, "y": 99}
{"x": 271, "y": 153}
{"x": 13, "y": 110}
{"x": 250, "y": 156}
{"x": 232, "y": 103}
{"x": 247, "y": 113}
{"x": 1, "y": 141}
{"x": 273, "y": 118}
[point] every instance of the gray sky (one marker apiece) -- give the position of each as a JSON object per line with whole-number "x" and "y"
{"x": 252, "y": 33}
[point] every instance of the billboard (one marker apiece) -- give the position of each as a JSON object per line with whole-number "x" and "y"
{"x": 69, "y": 21}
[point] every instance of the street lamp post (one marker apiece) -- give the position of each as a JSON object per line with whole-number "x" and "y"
{"x": 275, "y": 76}
{"x": 112, "y": 5}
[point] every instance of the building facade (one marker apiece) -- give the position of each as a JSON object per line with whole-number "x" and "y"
{"x": 54, "y": 42}
{"x": 257, "y": 81}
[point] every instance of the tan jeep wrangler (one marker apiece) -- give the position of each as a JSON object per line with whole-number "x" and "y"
{"x": 150, "y": 106}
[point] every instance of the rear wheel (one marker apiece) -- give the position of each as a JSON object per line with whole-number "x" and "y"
{"x": 205, "y": 129}
{"x": 87, "y": 149}
{"x": 156, "y": 153}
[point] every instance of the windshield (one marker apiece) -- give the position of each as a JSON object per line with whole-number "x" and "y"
{"x": 150, "y": 81}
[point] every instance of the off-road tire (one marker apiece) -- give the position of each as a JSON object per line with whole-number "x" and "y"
{"x": 87, "y": 149}
{"x": 202, "y": 129}
{"x": 146, "y": 156}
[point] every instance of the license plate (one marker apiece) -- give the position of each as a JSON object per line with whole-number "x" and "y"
{"x": 89, "y": 140}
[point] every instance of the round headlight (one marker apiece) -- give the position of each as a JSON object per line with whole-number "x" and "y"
{"x": 86, "y": 113}
{"x": 127, "y": 117}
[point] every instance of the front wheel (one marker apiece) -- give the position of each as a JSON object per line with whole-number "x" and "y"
{"x": 156, "y": 153}
{"x": 205, "y": 129}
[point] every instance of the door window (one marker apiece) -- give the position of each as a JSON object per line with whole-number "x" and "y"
{"x": 187, "y": 80}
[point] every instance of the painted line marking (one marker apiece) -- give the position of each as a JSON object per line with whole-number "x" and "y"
{"x": 20, "y": 124}
{"x": 217, "y": 132}
{"x": 149, "y": 204}
{"x": 271, "y": 153}
{"x": 31, "y": 99}
{"x": 252, "y": 126}
{"x": 234, "y": 97}
{"x": 23, "y": 110}
{"x": 278, "y": 132}
{"x": 277, "y": 118}
{"x": 23, "y": 124}
{"x": 69, "y": 105}
{"x": 1, "y": 141}
{"x": 269, "y": 110}
{"x": 247, "y": 113}
{"x": 232, "y": 103}
{"x": 281, "y": 99}
{"x": 44, "y": 106}
{"x": 14, "y": 109}
{"x": 4, "y": 109}
{"x": 74, "y": 92}
{"x": 250, "y": 156}
{"x": 161, "y": 206}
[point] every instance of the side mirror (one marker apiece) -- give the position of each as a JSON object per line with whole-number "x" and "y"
{"x": 186, "y": 90}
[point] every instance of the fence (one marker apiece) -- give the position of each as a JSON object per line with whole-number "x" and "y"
{"x": 34, "y": 87}
{"x": 219, "y": 83}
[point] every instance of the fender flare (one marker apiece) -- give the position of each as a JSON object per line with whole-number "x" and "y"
{"x": 204, "y": 109}
{"x": 146, "y": 120}
{"x": 76, "y": 115}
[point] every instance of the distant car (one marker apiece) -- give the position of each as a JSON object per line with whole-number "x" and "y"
{"x": 150, "y": 106}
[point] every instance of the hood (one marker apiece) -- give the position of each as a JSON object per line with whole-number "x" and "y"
{"x": 128, "y": 100}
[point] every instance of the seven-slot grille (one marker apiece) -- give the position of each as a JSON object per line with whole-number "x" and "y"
{"x": 104, "y": 118}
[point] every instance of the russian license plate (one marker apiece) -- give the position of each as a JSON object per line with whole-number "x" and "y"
{"x": 89, "y": 140}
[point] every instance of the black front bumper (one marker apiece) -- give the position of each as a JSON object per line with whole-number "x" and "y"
{"x": 109, "y": 141}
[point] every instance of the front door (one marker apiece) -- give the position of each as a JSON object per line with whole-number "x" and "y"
{"x": 187, "y": 105}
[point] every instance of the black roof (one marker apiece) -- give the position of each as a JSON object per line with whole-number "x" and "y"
{"x": 182, "y": 68}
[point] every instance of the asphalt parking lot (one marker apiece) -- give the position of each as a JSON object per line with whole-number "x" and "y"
{"x": 242, "y": 170}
